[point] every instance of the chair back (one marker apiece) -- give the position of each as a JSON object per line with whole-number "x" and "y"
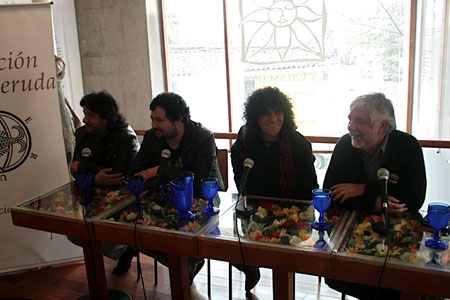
{"x": 222, "y": 159}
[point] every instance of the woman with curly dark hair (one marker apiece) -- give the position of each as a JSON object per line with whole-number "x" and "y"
{"x": 283, "y": 158}
{"x": 284, "y": 162}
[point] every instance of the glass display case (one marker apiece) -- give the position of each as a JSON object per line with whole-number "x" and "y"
{"x": 405, "y": 246}
{"x": 400, "y": 261}
{"x": 60, "y": 211}
{"x": 158, "y": 214}
{"x": 279, "y": 222}
{"x": 65, "y": 201}
{"x": 156, "y": 228}
{"x": 273, "y": 233}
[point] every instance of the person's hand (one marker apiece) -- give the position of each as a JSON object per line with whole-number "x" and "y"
{"x": 343, "y": 191}
{"x": 148, "y": 173}
{"x": 74, "y": 167}
{"x": 104, "y": 178}
{"x": 394, "y": 205}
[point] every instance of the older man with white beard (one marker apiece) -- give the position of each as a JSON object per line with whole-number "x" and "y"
{"x": 372, "y": 143}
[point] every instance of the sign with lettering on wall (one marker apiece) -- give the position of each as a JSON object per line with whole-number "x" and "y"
{"x": 32, "y": 155}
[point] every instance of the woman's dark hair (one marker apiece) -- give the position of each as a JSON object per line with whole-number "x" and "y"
{"x": 175, "y": 106}
{"x": 258, "y": 104}
{"x": 103, "y": 104}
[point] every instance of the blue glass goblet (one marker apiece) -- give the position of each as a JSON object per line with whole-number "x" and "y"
{"x": 321, "y": 199}
{"x": 84, "y": 182}
{"x": 210, "y": 187}
{"x": 321, "y": 243}
{"x": 438, "y": 216}
{"x": 136, "y": 186}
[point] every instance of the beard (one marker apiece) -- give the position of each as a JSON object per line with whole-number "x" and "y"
{"x": 357, "y": 142}
{"x": 167, "y": 135}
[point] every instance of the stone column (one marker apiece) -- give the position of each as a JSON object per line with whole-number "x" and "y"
{"x": 114, "y": 54}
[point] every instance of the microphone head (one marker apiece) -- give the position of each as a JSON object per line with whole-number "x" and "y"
{"x": 382, "y": 174}
{"x": 249, "y": 163}
{"x": 86, "y": 152}
{"x": 165, "y": 154}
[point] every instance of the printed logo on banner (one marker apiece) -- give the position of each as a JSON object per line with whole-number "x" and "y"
{"x": 15, "y": 142}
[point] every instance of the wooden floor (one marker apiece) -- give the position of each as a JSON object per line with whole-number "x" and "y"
{"x": 69, "y": 282}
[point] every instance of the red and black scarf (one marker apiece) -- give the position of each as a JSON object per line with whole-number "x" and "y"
{"x": 287, "y": 178}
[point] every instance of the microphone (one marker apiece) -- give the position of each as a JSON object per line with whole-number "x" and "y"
{"x": 383, "y": 176}
{"x": 383, "y": 228}
{"x": 248, "y": 164}
{"x": 85, "y": 154}
{"x": 165, "y": 155}
{"x": 242, "y": 209}
{"x": 84, "y": 177}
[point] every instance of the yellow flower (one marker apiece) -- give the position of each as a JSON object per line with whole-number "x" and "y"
{"x": 408, "y": 256}
{"x": 293, "y": 210}
{"x": 191, "y": 226}
{"x": 360, "y": 229}
{"x": 351, "y": 250}
{"x": 304, "y": 234}
{"x": 293, "y": 217}
{"x": 279, "y": 213}
{"x": 274, "y": 240}
{"x": 359, "y": 240}
{"x": 262, "y": 212}
{"x": 307, "y": 214}
{"x": 275, "y": 224}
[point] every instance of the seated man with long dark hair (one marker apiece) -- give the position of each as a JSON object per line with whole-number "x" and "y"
{"x": 112, "y": 144}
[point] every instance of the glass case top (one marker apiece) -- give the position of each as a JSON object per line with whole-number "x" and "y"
{"x": 406, "y": 244}
{"x": 66, "y": 200}
{"x": 158, "y": 213}
{"x": 278, "y": 222}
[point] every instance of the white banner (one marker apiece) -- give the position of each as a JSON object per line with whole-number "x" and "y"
{"x": 32, "y": 155}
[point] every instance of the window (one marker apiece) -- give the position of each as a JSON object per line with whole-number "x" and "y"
{"x": 321, "y": 53}
{"x": 431, "y": 118}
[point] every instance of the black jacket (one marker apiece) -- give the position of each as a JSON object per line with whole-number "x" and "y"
{"x": 112, "y": 149}
{"x": 263, "y": 179}
{"x": 403, "y": 157}
{"x": 197, "y": 153}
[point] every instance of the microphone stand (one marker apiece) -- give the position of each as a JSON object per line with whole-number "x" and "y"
{"x": 242, "y": 209}
{"x": 383, "y": 228}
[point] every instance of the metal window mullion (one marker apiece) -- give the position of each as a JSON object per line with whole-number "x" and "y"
{"x": 227, "y": 67}
{"x": 443, "y": 68}
{"x": 164, "y": 49}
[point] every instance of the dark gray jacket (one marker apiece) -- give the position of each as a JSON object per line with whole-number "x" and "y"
{"x": 112, "y": 149}
{"x": 197, "y": 153}
{"x": 403, "y": 157}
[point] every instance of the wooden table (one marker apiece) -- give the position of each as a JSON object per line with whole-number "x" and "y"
{"x": 412, "y": 279}
{"x": 178, "y": 244}
{"x": 284, "y": 260}
{"x": 217, "y": 239}
{"x": 59, "y": 211}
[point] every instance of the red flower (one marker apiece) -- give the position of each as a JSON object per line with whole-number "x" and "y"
{"x": 289, "y": 224}
{"x": 275, "y": 234}
{"x": 267, "y": 206}
{"x": 302, "y": 225}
